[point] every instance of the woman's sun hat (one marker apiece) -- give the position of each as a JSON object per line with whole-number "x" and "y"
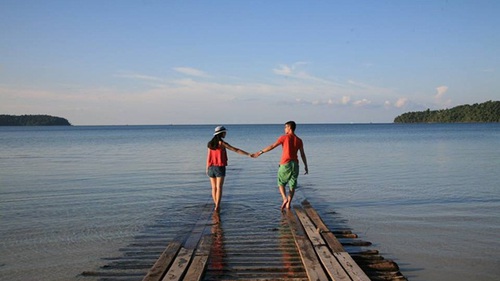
{"x": 219, "y": 129}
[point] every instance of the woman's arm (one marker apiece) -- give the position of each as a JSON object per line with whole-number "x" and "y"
{"x": 208, "y": 155}
{"x": 235, "y": 149}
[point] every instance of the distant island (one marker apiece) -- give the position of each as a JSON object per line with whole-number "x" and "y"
{"x": 477, "y": 113}
{"x": 32, "y": 120}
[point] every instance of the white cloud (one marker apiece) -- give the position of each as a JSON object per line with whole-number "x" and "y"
{"x": 294, "y": 71}
{"x": 345, "y": 99}
{"x": 146, "y": 97}
{"x": 441, "y": 90}
{"x": 401, "y": 102}
{"x": 361, "y": 102}
{"x": 439, "y": 97}
{"x": 138, "y": 77}
{"x": 283, "y": 70}
{"x": 191, "y": 71}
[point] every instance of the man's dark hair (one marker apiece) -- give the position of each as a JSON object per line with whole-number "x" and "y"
{"x": 292, "y": 125}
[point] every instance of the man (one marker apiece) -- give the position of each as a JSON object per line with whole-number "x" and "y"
{"x": 288, "y": 171}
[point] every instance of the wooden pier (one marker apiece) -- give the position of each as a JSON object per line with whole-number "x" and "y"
{"x": 305, "y": 250}
{"x": 300, "y": 247}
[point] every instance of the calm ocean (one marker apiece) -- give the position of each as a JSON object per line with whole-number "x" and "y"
{"x": 427, "y": 196}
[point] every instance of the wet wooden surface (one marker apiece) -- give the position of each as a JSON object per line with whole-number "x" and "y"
{"x": 295, "y": 245}
{"x": 300, "y": 248}
{"x": 243, "y": 251}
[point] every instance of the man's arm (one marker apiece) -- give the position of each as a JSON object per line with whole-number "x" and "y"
{"x": 267, "y": 149}
{"x": 304, "y": 159}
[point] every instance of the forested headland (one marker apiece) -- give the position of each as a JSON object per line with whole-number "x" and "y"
{"x": 32, "y": 120}
{"x": 477, "y": 113}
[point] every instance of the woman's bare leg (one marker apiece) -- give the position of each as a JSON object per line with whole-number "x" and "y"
{"x": 213, "y": 183}
{"x": 219, "y": 182}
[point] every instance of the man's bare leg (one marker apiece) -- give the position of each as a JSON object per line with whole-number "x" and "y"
{"x": 290, "y": 197}
{"x": 283, "y": 195}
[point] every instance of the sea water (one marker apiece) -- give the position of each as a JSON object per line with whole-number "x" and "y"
{"x": 426, "y": 195}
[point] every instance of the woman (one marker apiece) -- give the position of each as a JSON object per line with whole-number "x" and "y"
{"x": 217, "y": 162}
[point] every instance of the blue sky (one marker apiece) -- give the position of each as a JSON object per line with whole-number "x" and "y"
{"x": 231, "y": 62}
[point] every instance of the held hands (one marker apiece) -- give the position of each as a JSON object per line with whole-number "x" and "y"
{"x": 257, "y": 154}
{"x": 254, "y": 155}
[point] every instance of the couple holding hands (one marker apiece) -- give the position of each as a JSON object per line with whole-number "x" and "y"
{"x": 288, "y": 171}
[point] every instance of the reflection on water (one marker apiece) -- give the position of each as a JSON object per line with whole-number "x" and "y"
{"x": 217, "y": 252}
{"x": 289, "y": 253}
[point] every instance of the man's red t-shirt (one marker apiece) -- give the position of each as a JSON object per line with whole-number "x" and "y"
{"x": 291, "y": 144}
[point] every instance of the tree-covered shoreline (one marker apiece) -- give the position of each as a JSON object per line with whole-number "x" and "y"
{"x": 32, "y": 120}
{"x": 486, "y": 112}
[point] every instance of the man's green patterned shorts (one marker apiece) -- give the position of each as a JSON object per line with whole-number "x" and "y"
{"x": 288, "y": 174}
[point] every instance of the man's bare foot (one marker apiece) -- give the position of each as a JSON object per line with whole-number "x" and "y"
{"x": 288, "y": 204}
{"x": 285, "y": 202}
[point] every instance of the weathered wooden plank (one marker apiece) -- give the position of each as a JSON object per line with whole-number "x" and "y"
{"x": 364, "y": 253}
{"x": 346, "y": 235}
{"x": 136, "y": 250}
{"x": 343, "y": 258}
{"x": 308, "y": 234}
{"x": 199, "y": 264}
{"x": 197, "y": 268}
{"x": 258, "y": 279}
{"x": 163, "y": 262}
{"x": 109, "y": 274}
{"x": 357, "y": 243}
{"x": 332, "y": 266}
{"x": 175, "y": 259}
{"x": 179, "y": 266}
{"x": 198, "y": 229}
{"x": 329, "y": 238}
{"x": 311, "y": 263}
{"x": 382, "y": 265}
{"x": 355, "y": 272}
{"x": 184, "y": 260}
{"x": 387, "y": 276}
